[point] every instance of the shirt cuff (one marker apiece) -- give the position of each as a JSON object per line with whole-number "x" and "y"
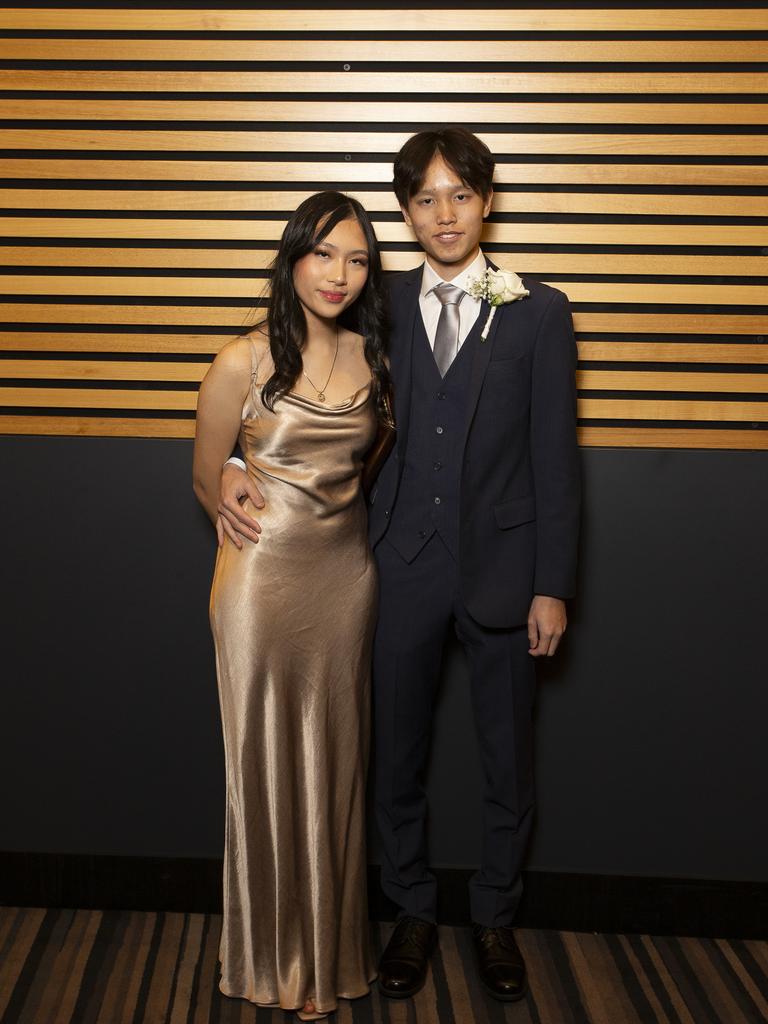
{"x": 234, "y": 461}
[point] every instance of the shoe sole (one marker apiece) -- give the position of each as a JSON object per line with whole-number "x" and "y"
{"x": 505, "y": 999}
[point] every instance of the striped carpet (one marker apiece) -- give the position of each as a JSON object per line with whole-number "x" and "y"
{"x": 93, "y": 967}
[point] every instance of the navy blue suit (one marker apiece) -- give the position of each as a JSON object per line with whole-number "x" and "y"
{"x": 474, "y": 512}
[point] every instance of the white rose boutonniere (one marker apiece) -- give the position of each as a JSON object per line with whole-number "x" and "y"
{"x": 497, "y": 287}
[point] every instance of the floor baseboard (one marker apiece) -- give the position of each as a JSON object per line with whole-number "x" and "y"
{"x": 557, "y": 900}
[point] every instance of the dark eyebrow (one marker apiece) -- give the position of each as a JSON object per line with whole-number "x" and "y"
{"x": 354, "y": 252}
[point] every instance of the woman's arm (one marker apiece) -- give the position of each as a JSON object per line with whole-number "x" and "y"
{"x": 219, "y": 408}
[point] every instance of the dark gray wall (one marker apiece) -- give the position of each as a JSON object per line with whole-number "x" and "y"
{"x": 651, "y": 722}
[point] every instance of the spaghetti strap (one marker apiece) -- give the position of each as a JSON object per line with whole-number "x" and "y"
{"x": 255, "y": 360}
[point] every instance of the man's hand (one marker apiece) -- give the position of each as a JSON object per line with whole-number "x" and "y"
{"x": 236, "y": 486}
{"x": 546, "y": 624}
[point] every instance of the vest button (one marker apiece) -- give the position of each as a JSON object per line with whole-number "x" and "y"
{"x": 438, "y": 430}
{"x": 437, "y": 465}
{"x": 386, "y": 512}
{"x": 437, "y": 501}
{"x": 422, "y": 534}
{"x": 441, "y": 395}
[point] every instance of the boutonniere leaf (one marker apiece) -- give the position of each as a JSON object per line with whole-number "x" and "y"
{"x": 497, "y": 287}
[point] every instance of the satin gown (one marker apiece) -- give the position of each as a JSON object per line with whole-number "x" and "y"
{"x": 292, "y": 620}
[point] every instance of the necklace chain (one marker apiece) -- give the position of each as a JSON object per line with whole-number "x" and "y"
{"x": 321, "y": 392}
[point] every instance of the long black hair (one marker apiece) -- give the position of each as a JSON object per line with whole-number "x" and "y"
{"x": 312, "y": 221}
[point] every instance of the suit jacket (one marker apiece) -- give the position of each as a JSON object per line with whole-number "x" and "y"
{"x": 520, "y": 490}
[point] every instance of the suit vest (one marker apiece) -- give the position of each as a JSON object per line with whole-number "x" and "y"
{"x": 428, "y": 496}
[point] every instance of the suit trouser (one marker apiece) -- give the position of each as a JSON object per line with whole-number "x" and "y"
{"x": 418, "y": 603}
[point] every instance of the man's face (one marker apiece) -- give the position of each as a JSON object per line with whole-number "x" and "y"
{"x": 447, "y": 218}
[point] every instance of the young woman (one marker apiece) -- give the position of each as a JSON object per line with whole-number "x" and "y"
{"x": 293, "y": 615}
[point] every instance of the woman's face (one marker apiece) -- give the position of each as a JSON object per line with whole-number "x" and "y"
{"x": 330, "y": 278}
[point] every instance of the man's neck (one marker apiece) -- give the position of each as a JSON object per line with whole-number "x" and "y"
{"x": 448, "y": 271}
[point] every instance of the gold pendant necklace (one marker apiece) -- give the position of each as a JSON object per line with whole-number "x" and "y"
{"x": 321, "y": 391}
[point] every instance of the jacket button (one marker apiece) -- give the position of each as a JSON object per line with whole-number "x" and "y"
{"x": 437, "y": 502}
{"x": 386, "y": 512}
{"x": 438, "y": 430}
{"x": 422, "y": 534}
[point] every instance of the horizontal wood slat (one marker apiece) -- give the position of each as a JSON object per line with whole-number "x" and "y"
{"x": 242, "y": 316}
{"x": 666, "y": 437}
{"x": 409, "y": 83}
{"x": 590, "y": 350}
{"x": 620, "y": 437}
{"x": 388, "y": 231}
{"x": 660, "y": 409}
{"x": 72, "y": 369}
{"x": 385, "y": 113}
{"x": 589, "y": 408}
{"x": 587, "y": 380}
{"x": 237, "y": 288}
{"x": 260, "y": 259}
{"x": 400, "y": 51}
{"x": 375, "y": 202}
{"x": 367, "y": 142}
{"x": 381, "y": 173}
{"x": 640, "y": 380}
{"x": 405, "y": 20}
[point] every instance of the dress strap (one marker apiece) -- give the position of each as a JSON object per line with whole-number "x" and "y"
{"x": 255, "y": 360}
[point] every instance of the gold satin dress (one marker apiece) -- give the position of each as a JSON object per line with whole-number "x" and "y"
{"x": 292, "y": 620}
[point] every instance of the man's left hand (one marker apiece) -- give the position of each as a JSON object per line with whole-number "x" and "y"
{"x": 546, "y": 625}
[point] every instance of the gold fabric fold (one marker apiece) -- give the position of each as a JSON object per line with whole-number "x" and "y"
{"x": 292, "y": 620}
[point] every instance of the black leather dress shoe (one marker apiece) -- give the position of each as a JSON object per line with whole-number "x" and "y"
{"x": 500, "y": 963}
{"x": 403, "y": 967}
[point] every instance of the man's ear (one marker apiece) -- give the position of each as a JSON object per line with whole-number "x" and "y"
{"x": 406, "y": 216}
{"x": 487, "y": 203}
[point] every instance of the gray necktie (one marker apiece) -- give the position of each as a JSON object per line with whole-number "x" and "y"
{"x": 447, "y": 335}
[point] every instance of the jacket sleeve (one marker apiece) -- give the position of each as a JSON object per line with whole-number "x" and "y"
{"x": 554, "y": 453}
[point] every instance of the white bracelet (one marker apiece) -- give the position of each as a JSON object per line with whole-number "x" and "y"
{"x": 234, "y": 461}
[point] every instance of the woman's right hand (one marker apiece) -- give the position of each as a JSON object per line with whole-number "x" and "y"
{"x": 232, "y": 520}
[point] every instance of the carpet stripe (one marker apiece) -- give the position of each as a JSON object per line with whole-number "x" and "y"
{"x": 615, "y": 981}
{"x": 32, "y": 925}
{"x": 455, "y": 977}
{"x": 570, "y": 986}
{"x": 10, "y": 919}
{"x": 118, "y": 1004}
{"x": 72, "y": 988}
{"x": 754, "y": 956}
{"x": 18, "y": 973}
{"x": 61, "y": 971}
{"x": 543, "y": 979}
{"x": 589, "y": 978}
{"x": 757, "y": 997}
{"x": 695, "y": 997}
{"x": 670, "y": 985}
{"x": 713, "y": 957}
{"x": 110, "y": 937}
{"x": 647, "y": 984}
{"x": 47, "y": 980}
{"x": 718, "y": 993}
{"x": 190, "y": 958}
{"x": 131, "y": 1011}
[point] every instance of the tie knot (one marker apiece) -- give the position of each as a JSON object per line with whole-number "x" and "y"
{"x": 449, "y": 294}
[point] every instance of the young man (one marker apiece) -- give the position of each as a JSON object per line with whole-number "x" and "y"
{"x": 474, "y": 522}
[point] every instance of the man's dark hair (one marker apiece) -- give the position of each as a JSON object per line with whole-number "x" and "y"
{"x": 462, "y": 151}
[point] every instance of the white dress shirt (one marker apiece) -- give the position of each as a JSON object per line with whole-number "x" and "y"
{"x": 430, "y": 305}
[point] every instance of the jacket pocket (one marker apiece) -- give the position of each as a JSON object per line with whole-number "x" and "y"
{"x": 515, "y": 512}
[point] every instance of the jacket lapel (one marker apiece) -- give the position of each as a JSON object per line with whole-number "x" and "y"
{"x": 406, "y": 299}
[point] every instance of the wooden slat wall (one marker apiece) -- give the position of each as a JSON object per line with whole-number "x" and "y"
{"x": 149, "y": 159}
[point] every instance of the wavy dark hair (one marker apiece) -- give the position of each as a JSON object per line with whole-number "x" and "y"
{"x": 312, "y": 221}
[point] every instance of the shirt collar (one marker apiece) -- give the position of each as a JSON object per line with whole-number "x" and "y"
{"x": 430, "y": 277}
